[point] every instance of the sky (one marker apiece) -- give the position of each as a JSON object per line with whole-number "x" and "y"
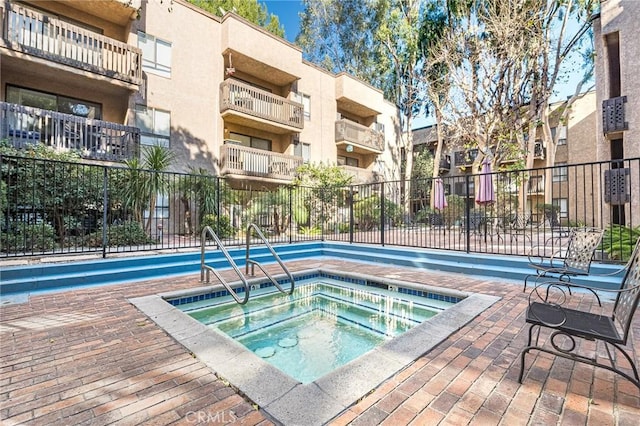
{"x": 287, "y": 11}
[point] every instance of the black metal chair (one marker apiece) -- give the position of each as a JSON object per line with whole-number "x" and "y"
{"x": 572, "y": 261}
{"x": 567, "y": 324}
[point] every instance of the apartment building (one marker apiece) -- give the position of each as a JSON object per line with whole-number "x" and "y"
{"x": 617, "y": 59}
{"x": 576, "y": 144}
{"x": 109, "y": 77}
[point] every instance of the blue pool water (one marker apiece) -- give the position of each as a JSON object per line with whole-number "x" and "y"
{"x": 323, "y": 325}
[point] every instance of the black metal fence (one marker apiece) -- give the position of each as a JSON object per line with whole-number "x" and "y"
{"x": 53, "y": 207}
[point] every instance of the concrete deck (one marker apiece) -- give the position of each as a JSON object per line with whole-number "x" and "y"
{"x": 91, "y": 357}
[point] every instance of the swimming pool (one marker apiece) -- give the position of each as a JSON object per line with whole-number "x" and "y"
{"x": 287, "y": 400}
{"x": 324, "y": 324}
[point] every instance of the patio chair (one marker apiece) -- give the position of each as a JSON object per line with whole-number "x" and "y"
{"x": 519, "y": 226}
{"x": 572, "y": 261}
{"x": 567, "y": 325}
{"x": 477, "y": 221}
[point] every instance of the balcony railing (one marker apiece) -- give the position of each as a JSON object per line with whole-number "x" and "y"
{"x": 93, "y": 139}
{"x": 27, "y": 30}
{"x": 465, "y": 158}
{"x": 536, "y": 185}
{"x": 242, "y": 160}
{"x": 361, "y": 175}
{"x": 445, "y": 163}
{"x": 349, "y": 131}
{"x": 238, "y": 96}
{"x": 613, "y": 117}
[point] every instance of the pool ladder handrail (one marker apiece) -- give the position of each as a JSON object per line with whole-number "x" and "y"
{"x": 204, "y": 267}
{"x": 253, "y": 263}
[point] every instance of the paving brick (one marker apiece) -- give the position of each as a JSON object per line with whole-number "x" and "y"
{"x": 89, "y": 357}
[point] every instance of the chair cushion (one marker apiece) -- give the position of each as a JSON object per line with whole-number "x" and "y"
{"x": 578, "y": 323}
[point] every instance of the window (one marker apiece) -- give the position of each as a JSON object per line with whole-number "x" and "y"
{"x": 154, "y": 124}
{"x": 51, "y": 102}
{"x": 156, "y": 54}
{"x": 460, "y": 188}
{"x": 562, "y": 134}
{"x": 306, "y": 101}
{"x": 560, "y": 172}
{"x": 302, "y": 150}
{"x": 563, "y": 205}
{"x": 347, "y": 161}
{"x": 251, "y": 142}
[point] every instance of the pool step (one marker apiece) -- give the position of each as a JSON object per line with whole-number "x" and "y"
{"x": 44, "y": 277}
{"x": 491, "y": 266}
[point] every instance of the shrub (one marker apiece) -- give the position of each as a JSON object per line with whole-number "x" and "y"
{"x": 222, "y": 230}
{"x": 618, "y": 241}
{"x": 367, "y": 213}
{"x": 126, "y": 234}
{"x": 24, "y": 237}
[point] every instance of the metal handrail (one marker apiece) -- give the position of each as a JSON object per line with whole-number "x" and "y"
{"x": 253, "y": 263}
{"x": 204, "y": 267}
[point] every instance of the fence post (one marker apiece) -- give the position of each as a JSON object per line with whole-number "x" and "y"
{"x": 290, "y": 214}
{"x": 217, "y": 205}
{"x": 322, "y": 190}
{"x": 382, "y": 218}
{"x": 467, "y": 214}
{"x": 105, "y": 206}
{"x": 351, "y": 216}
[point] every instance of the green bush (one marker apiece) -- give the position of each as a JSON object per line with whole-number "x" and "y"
{"x": 223, "y": 230}
{"x": 310, "y": 231}
{"x": 618, "y": 241}
{"x": 367, "y": 213}
{"x": 23, "y": 237}
{"x": 126, "y": 234}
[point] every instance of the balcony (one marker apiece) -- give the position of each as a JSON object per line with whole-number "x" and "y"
{"x": 30, "y": 32}
{"x": 465, "y": 158}
{"x": 362, "y": 139}
{"x": 539, "y": 152}
{"x": 445, "y": 163}
{"x": 92, "y": 139}
{"x": 536, "y": 185}
{"x": 241, "y": 160}
{"x": 613, "y": 115}
{"x": 360, "y": 175}
{"x": 249, "y": 106}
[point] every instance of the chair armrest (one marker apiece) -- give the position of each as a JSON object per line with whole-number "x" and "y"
{"x": 540, "y": 260}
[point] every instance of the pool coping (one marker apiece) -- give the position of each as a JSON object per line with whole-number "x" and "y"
{"x": 286, "y": 400}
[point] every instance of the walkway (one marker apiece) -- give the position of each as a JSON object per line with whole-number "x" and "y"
{"x": 89, "y": 357}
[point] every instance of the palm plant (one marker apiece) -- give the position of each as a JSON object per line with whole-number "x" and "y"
{"x": 157, "y": 160}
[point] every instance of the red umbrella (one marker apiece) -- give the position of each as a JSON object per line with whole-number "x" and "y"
{"x": 485, "y": 193}
{"x": 439, "y": 199}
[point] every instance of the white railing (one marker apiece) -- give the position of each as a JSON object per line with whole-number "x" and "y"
{"x": 238, "y": 96}
{"x": 241, "y": 160}
{"x": 94, "y": 139}
{"x": 29, "y": 31}
{"x": 349, "y": 131}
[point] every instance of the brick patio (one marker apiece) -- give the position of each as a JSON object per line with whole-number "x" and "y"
{"x": 89, "y": 357}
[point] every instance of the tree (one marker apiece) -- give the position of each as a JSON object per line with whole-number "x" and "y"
{"x": 251, "y": 10}
{"x": 399, "y": 34}
{"x": 502, "y": 61}
{"x": 201, "y": 187}
{"x": 144, "y": 180}
{"x": 325, "y": 189}
{"x": 339, "y": 36}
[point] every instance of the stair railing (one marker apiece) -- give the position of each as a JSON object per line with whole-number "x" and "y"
{"x": 206, "y": 269}
{"x": 253, "y": 263}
